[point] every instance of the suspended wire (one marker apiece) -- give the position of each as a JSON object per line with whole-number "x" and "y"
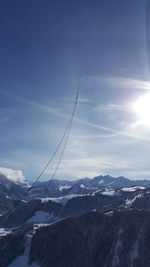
{"x": 64, "y": 147}
{"x": 50, "y": 160}
{"x": 66, "y": 134}
{"x": 58, "y": 146}
{"x": 63, "y": 150}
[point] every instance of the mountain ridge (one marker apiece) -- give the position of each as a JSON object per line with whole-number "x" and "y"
{"x": 86, "y": 185}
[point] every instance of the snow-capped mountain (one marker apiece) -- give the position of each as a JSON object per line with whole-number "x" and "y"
{"x": 59, "y": 188}
{"x": 10, "y": 188}
{"x": 10, "y": 193}
{"x": 75, "y": 193}
{"x": 75, "y": 204}
{"x": 102, "y": 204}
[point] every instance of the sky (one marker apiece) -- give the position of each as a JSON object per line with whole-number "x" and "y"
{"x": 49, "y": 48}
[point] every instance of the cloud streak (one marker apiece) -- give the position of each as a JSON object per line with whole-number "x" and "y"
{"x": 120, "y": 82}
{"x": 62, "y": 115}
{"x": 44, "y": 108}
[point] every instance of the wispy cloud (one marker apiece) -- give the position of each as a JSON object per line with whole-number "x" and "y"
{"x": 112, "y": 107}
{"x": 92, "y": 166}
{"x": 138, "y": 174}
{"x": 83, "y": 100}
{"x": 44, "y": 108}
{"x": 95, "y": 136}
{"x": 83, "y": 158}
{"x": 62, "y": 115}
{"x": 115, "y": 131}
{"x": 120, "y": 82}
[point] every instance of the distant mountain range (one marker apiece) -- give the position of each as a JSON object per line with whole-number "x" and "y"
{"x": 104, "y": 216}
{"x": 67, "y": 198}
{"x": 61, "y": 190}
{"x": 83, "y": 186}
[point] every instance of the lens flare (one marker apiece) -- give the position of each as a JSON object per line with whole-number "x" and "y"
{"x": 142, "y": 107}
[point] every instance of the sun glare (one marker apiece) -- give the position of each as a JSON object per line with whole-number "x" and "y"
{"x": 142, "y": 107}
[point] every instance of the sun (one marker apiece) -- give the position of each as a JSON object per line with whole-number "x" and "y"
{"x": 142, "y": 107}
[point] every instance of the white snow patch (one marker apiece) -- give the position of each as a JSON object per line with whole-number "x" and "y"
{"x": 110, "y": 183}
{"x": 135, "y": 248}
{"x": 41, "y": 216}
{"x": 63, "y": 199}
{"x": 62, "y": 187}
{"x": 101, "y": 182}
{"x": 109, "y": 192}
{"x": 46, "y": 199}
{"x": 5, "y": 231}
{"x": 132, "y": 189}
{"x": 38, "y": 225}
{"x": 94, "y": 193}
{"x": 129, "y": 202}
{"x": 109, "y": 213}
{"x": 83, "y": 186}
{"x": 8, "y": 197}
{"x": 22, "y": 261}
{"x": 118, "y": 249}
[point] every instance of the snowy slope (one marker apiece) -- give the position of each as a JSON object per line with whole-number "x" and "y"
{"x": 22, "y": 261}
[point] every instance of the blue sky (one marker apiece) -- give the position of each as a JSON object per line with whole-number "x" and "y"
{"x": 46, "y": 49}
